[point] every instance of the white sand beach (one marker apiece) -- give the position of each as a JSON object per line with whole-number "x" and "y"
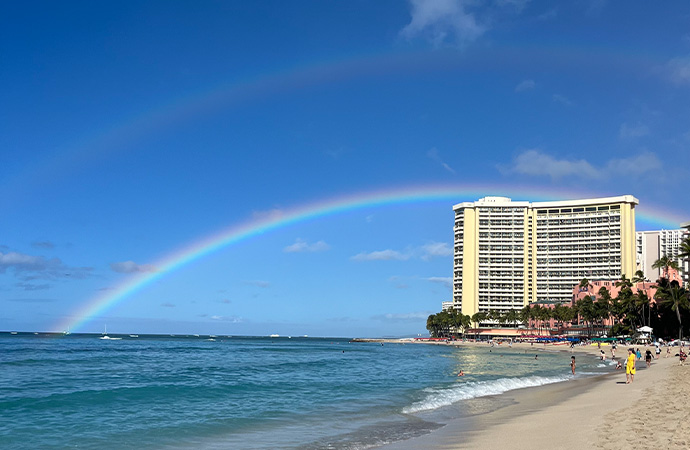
{"x": 599, "y": 412}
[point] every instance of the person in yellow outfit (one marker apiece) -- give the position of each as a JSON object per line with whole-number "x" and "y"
{"x": 630, "y": 367}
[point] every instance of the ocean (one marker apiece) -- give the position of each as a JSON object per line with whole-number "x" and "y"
{"x": 78, "y": 391}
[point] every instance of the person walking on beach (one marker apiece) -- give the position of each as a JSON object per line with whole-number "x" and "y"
{"x": 630, "y": 367}
{"x": 572, "y": 364}
{"x": 648, "y": 357}
{"x": 668, "y": 351}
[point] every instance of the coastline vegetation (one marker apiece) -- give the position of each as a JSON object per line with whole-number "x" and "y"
{"x": 668, "y": 313}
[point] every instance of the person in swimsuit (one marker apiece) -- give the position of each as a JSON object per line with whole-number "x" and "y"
{"x": 630, "y": 367}
{"x": 572, "y": 364}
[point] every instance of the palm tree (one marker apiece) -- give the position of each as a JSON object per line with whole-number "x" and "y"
{"x": 676, "y": 297}
{"x": 684, "y": 252}
{"x": 639, "y": 278}
{"x": 666, "y": 262}
{"x": 479, "y": 317}
{"x": 512, "y": 316}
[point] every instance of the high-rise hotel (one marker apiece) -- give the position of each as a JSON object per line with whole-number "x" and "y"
{"x": 509, "y": 254}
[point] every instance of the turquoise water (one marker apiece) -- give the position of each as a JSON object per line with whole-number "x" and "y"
{"x": 79, "y": 391}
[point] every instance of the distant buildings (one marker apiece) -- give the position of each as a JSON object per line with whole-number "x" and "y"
{"x": 686, "y": 263}
{"x": 508, "y": 254}
{"x": 652, "y": 245}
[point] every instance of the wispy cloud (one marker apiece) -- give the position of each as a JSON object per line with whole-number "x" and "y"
{"x": 424, "y": 252}
{"x": 231, "y": 319}
{"x": 301, "y": 246}
{"x": 131, "y": 267}
{"x": 633, "y": 131}
{"x": 45, "y": 245}
{"x": 446, "y": 281}
{"x": 381, "y": 255}
{"x": 258, "y": 283}
{"x": 433, "y": 155}
{"x": 635, "y": 165}
{"x": 536, "y": 163}
{"x": 525, "y": 85}
{"x": 269, "y": 214}
{"x": 168, "y": 305}
{"x": 434, "y": 249}
{"x": 33, "y": 286}
{"x": 403, "y": 317}
{"x": 677, "y": 71}
{"x": 32, "y": 300}
{"x": 563, "y": 100}
{"x": 548, "y": 15}
{"x": 443, "y": 22}
{"x": 31, "y": 267}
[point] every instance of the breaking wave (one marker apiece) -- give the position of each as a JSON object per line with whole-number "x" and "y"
{"x": 439, "y": 397}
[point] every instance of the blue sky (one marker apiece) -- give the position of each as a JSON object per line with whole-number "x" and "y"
{"x": 129, "y": 131}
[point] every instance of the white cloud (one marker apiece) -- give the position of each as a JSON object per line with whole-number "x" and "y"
{"x": 381, "y": 255}
{"x": 303, "y": 246}
{"x": 231, "y": 319}
{"x": 443, "y": 21}
{"x": 131, "y": 267}
{"x": 435, "y": 249}
{"x": 525, "y": 85}
{"x": 446, "y": 281}
{"x": 433, "y": 154}
{"x": 678, "y": 71}
{"x": 535, "y": 163}
{"x": 563, "y": 100}
{"x": 627, "y": 131}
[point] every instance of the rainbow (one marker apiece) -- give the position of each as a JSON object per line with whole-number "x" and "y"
{"x": 312, "y": 211}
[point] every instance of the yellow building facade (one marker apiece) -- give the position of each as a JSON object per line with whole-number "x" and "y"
{"x": 508, "y": 254}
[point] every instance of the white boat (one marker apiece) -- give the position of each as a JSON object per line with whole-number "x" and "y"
{"x": 134, "y": 335}
{"x": 67, "y": 332}
{"x": 274, "y": 335}
{"x": 106, "y": 337}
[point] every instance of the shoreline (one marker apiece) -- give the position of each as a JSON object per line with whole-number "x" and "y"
{"x": 601, "y": 412}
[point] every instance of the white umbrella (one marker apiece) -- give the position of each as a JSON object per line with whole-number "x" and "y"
{"x": 645, "y": 329}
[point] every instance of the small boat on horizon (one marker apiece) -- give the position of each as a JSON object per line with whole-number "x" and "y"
{"x": 274, "y": 335}
{"x": 106, "y": 337}
{"x": 134, "y": 335}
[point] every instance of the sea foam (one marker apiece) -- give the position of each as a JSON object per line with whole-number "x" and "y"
{"x": 439, "y": 397}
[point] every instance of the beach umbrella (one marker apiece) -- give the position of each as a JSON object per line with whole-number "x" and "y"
{"x": 645, "y": 329}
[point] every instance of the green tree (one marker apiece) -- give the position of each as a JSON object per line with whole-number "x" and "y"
{"x": 586, "y": 310}
{"x": 676, "y": 297}
{"x": 666, "y": 263}
{"x": 512, "y": 316}
{"x": 479, "y": 317}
